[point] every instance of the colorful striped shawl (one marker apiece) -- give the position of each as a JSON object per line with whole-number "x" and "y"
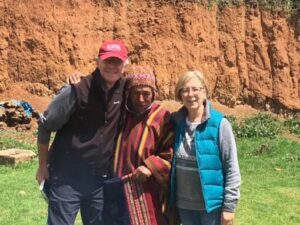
{"x": 146, "y": 140}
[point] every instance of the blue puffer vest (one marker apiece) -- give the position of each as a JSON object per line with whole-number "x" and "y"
{"x": 207, "y": 154}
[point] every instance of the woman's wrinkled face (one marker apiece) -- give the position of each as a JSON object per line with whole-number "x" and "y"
{"x": 193, "y": 94}
{"x": 141, "y": 98}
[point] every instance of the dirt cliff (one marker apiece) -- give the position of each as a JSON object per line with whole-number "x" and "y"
{"x": 250, "y": 56}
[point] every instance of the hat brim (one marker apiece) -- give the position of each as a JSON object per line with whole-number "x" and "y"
{"x": 112, "y": 55}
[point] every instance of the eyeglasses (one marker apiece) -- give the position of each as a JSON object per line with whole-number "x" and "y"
{"x": 194, "y": 90}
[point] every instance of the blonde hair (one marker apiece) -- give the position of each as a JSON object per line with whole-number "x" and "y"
{"x": 185, "y": 78}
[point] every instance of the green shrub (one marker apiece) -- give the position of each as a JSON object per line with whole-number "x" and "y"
{"x": 259, "y": 125}
{"x": 293, "y": 125}
{"x": 233, "y": 121}
{"x": 287, "y": 6}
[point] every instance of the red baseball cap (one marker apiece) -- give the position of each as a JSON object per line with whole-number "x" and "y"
{"x": 114, "y": 48}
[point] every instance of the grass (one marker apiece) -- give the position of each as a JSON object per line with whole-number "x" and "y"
{"x": 270, "y": 192}
{"x": 21, "y": 201}
{"x": 15, "y": 139}
{"x": 270, "y": 181}
{"x": 20, "y": 198}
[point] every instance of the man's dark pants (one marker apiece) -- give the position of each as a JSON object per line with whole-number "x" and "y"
{"x": 74, "y": 190}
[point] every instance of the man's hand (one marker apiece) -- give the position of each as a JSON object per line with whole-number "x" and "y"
{"x": 42, "y": 174}
{"x": 75, "y": 78}
{"x": 227, "y": 218}
{"x": 141, "y": 174}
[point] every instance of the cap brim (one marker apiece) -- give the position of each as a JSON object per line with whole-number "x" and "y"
{"x": 112, "y": 55}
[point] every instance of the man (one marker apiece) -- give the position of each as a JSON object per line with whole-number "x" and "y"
{"x": 85, "y": 117}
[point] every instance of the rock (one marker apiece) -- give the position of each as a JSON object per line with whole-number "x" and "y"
{"x": 9, "y": 105}
{"x": 3, "y": 126}
{"x": 14, "y": 115}
{"x": 36, "y": 115}
{"x": 9, "y": 110}
{"x": 19, "y": 128}
{"x": 15, "y": 156}
{"x": 23, "y": 127}
{"x": 2, "y": 114}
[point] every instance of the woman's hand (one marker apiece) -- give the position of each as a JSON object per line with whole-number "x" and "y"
{"x": 141, "y": 174}
{"x": 227, "y": 218}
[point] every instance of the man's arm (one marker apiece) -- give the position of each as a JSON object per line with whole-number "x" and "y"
{"x": 57, "y": 114}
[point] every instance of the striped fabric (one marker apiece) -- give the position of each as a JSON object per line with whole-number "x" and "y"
{"x": 145, "y": 140}
{"x": 136, "y": 202}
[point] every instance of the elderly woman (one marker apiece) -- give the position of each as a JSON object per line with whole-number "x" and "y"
{"x": 205, "y": 177}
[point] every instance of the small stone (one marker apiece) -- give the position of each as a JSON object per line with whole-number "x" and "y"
{"x": 19, "y": 128}
{"x": 3, "y": 126}
{"x": 2, "y": 114}
{"x": 22, "y": 193}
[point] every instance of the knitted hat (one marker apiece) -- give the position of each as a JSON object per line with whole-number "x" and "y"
{"x": 140, "y": 75}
